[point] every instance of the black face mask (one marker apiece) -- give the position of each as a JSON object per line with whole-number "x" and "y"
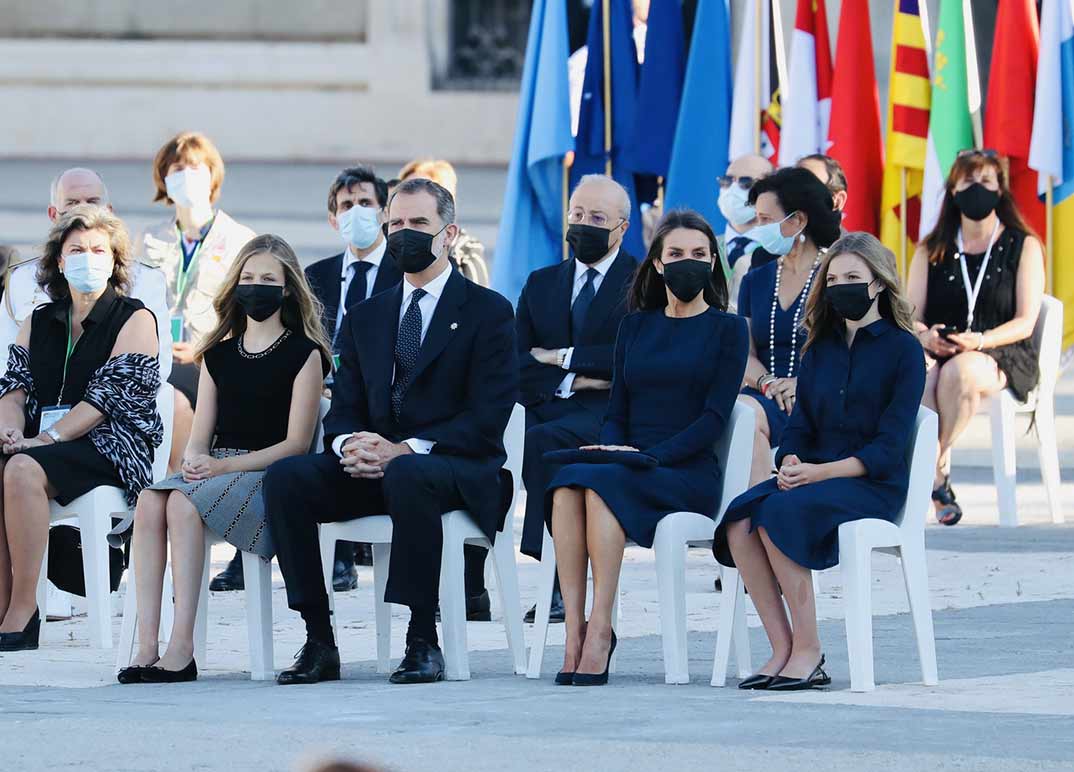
{"x": 588, "y": 242}
{"x": 259, "y": 301}
{"x": 412, "y": 249}
{"x": 976, "y": 201}
{"x": 850, "y": 301}
{"x": 686, "y": 278}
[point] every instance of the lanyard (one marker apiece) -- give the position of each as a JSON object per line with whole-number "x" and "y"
{"x": 972, "y": 292}
{"x": 186, "y": 267}
{"x": 66, "y": 359}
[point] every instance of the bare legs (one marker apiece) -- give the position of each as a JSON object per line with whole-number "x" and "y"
{"x": 585, "y": 531}
{"x": 26, "y": 495}
{"x": 751, "y": 558}
{"x": 797, "y": 584}
{"x": 149, "y": 548}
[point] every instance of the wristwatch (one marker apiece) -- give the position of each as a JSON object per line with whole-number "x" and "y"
{"x": 55, "y": 435}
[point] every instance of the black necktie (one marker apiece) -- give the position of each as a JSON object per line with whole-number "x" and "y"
{"x": 581, "y": 305}
{"x": 407, "y": 346}
{"x": 358, "y": 289}
{"x": 737, "y": 250}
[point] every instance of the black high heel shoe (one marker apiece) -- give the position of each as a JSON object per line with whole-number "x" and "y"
{"x": 158, "y": 675}
{"x": 27, "y": 640}
{"x": 596, "y": 679}
{"x": 817, "y": 678}
{"x": 565, "y": 678}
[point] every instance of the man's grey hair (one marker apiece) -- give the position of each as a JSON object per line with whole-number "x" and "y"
{"x": 621, "y": 192}
{"x": 54, "y": 188}
{"x": 445, "y": 202}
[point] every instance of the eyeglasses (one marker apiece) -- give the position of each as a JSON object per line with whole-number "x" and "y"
{"x": 971, "y": 152}
{"x": 598, "y": 219}
{"x": 727, "y": 181}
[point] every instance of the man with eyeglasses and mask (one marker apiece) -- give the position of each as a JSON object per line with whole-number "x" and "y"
{"x": 567, "y": 319}
{"x": 739, "y": 248}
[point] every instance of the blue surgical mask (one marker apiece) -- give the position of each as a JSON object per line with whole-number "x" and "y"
{"x": 771, "y": 238}
{"x": 733, "y": 206}
{"x": 359, "y": 226}
{"x": 88, "y": 272}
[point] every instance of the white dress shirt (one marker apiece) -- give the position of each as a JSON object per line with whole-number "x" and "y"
{"x": 349, "y": 259}
{"x": 427, "y": 304}
{"x": 565, "y": 388}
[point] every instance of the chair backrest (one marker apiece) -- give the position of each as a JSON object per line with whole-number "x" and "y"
{"x": 734, "y": 452}
{"x": 921, "y": 457}
{"x": 318, "y": 437}
{"x": 166, "y": 409}
{"x": 514, "y": 441}
{"x": 1048, "y": 335}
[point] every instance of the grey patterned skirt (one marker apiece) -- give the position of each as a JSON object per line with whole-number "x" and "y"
{"x": 230, "y": 505}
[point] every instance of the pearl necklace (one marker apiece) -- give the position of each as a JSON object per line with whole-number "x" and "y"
{"x": 798, "y": 303}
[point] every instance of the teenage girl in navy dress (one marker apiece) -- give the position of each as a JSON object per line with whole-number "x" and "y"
{"x": 842, "y": 456}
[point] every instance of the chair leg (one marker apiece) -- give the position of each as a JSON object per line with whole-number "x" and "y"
{"x": 671, "y": 589}
{"x": 382, "y": 554}
{"x": 506, "y": 569}
{"x": 201, "y": 618}
{"x": 129, "y": 628}
{"x": 1048, "y": 452}
{"x": 916, "y": 575}
{"x": 94, "y": 526}
{"x": 613, "y": 663}
{"x": 545, "y": 582}
{"x": 328, "y": 561}
{"x": 453, "y": 607}
{"x": 42, "y": 593}
{"x": 1001, "y": 415}
{"x": 740, "y": 633}
{"x": 729, "y": 599}
{"x": 856, "y": 563}
{"x": 258, "y": 575}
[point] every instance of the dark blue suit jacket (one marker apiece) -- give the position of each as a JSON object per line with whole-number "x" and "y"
{"x": 461, "y": 394}
{"x": 324, "y": 277}
{"x": 544, "y": 321}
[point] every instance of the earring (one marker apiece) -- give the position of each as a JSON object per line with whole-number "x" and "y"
{"x": 801, "y": 237}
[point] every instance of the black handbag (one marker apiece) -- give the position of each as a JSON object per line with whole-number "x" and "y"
{"x": 65, "y": 561}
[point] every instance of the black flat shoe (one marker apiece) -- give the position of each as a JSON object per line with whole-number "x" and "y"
{"x": 315, "y": 662}
{"x": 597, "y": 679}
{"x": 556, "y": 614}
{"x": 27, "y": 640}
{"x": 423, "y": 663}
{"x": 158, "y": 675}
{"x": 815, "y": 679}
{"x": 565, "y": 678}
{"x": 231, "y": 578}
{"x": 756, "y": 681}
{"x": 344, "y": 576}
{"x": 132, "y": 674}
{"x": 949, "y": 512}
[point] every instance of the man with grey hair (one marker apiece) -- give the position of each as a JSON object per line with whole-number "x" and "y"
{"x": 23, "y": 294}
{"x": 427, "y": 381}
{"x": 567, "y": 320}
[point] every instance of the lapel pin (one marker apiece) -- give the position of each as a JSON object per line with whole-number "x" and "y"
{"x": 454, "y": 325}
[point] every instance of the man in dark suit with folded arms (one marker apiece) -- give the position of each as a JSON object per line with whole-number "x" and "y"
{"x": 426, "y": 385}
{"x": 568, "y": 318}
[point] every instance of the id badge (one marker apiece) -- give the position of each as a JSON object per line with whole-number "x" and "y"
{"x": 50, "y": 415}
{"x": 177, "y": 329}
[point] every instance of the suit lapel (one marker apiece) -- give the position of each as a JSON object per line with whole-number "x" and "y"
{"x": 380, "y": 343}
{"x": 609, "y": 295}
{"x": 562, "y": 302}
{"x": 332, "y": 286}
{"x": 387, "y": 274}
{"x": 444, "y": 324}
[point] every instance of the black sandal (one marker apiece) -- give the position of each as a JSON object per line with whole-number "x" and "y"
{"x": 949, "y": 512}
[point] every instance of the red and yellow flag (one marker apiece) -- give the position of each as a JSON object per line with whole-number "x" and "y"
{"x": 908, "y": 128}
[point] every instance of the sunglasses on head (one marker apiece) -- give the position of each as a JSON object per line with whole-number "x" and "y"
{"x": 727, "y": 181}
{"x": 972, "y": 152}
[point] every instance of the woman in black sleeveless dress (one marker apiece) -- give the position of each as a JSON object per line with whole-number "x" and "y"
{"x": 976, "y": 281}
{"x": 78, "y": 403}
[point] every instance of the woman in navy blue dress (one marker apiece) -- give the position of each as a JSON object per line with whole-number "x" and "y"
{"x": 678, "y": 367}
{"x": 797, "y": 222}
{"x": 842, "y": 456}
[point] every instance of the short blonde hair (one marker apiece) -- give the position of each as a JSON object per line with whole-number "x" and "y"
{"x": 85, "y": 217}
{"x": 439, "y": 171}
{"x": 190, "y": 147}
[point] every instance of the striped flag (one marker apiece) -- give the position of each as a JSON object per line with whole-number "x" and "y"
{"x": 908, "y": 128}
{"x": 807, "y": 105}
{"x": 746, "y": 122}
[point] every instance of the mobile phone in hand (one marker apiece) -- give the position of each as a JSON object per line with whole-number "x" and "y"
{"x": 947, "y": 331}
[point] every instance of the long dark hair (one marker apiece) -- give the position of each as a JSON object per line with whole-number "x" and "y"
{"x": 799, "y": 190}
{"x": 950, "y": 219}
{"x": 648, "y": 292}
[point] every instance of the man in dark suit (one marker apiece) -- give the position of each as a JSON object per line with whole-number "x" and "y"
{"x": 568, "y": 317}
{"x": 427, "y": 381}
{"x": 356, "y": 202}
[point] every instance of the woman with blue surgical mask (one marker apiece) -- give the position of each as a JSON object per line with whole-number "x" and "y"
{"x": 795, "y": 222}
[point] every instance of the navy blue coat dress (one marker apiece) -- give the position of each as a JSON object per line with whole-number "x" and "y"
{"x": 755, "y": 302}
{"x": 859, "y": 401}
{"x": 673, "y": 390}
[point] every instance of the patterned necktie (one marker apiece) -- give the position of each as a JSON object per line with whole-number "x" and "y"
{"x": 738, "y": 249}
{"x": 581, "y": 305}
{"x": 358, "y": 288}
{"x": 407, "y": 346}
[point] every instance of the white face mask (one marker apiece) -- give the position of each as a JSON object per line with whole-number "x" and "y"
{"x": 359, "y": 226}
{"x": 190, "y": 187}
{"x": 88, "y": 272}
{"x": 733, "y": 206}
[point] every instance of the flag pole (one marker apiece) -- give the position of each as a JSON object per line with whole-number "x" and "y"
{"x": 902, "y": 223}
{"x": 1049, "y": 236}
{"x": 758, "y": 105}
{"x": 566, "y": 201}
{"x": 606, "y": 8}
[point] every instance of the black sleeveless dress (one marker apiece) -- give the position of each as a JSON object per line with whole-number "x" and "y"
{"x": 76, "y": 467}
{"x": 996, "y": 304}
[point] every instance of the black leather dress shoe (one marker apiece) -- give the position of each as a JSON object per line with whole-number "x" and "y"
{"x": 27, "y": 639}
{"x": 423, "y": 663}
{"x": 316, "y": 662}
{"x": 556, "y": 614}
{"x": 158, "y": 675}
{"x": 363, "y": 553}
{"x": 756, "y": 681}
{"x": 815, "y": 679}
{"x": 344, "y": 576}
{"x": 231, "y": 578}
{"x": 478, "y": 608}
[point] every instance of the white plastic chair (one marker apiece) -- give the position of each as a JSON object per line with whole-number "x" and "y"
{"x": 905, "y": 539}
{"x": 1002, "y": 409}
{"x": 674, "y": 534}
{"x": 459, "y": 529}
{"x": 94, "y": 512}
